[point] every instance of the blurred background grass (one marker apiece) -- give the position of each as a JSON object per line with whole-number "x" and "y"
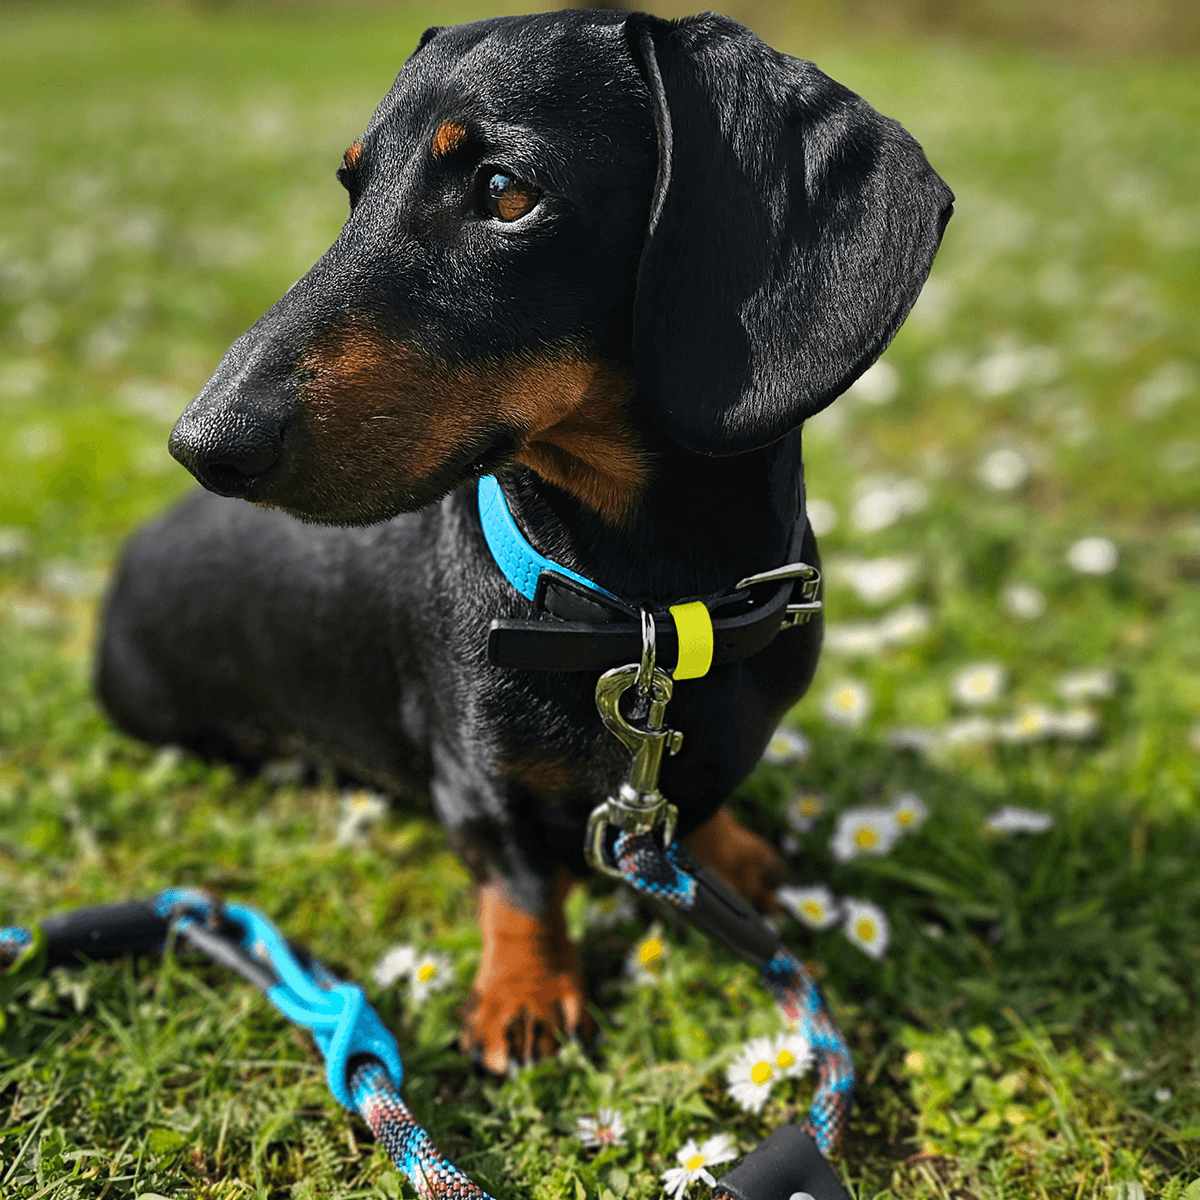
{"x": 167, "y": 171}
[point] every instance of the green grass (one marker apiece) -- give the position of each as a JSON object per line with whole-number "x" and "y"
{"x": 1032, "y": 1030}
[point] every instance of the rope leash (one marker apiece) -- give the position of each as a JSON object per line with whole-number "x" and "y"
{"x": 362, "y": 1061}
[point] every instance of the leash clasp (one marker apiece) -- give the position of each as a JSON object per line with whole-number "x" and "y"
{"x": 638, "y": 806}
{"x": 810, "y": 583}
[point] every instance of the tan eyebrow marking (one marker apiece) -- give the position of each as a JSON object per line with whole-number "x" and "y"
{"x": 353, "y": 154}
{"x": 449, "y": 137}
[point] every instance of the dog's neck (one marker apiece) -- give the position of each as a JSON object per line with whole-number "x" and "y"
{"x": 701, "y": 524}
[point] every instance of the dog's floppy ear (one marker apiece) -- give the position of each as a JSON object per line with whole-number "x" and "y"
{"x": 791, "y": 229}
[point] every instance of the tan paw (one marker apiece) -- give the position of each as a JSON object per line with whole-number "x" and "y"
{"x": 741, "y": 858}
{"x": 530, "y": 986}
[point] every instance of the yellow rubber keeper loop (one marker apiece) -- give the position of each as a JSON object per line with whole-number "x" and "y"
{"x": 694, "y": 627}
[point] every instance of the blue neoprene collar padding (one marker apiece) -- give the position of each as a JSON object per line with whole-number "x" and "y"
{"x": 520, "y": 562}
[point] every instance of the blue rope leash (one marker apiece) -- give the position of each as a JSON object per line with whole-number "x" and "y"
{"x": 362, "y": 1061}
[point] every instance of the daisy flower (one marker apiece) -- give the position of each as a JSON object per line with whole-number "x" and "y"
{"x": 912, "y": 737}
{"x": 879, "y": 384}
{"x": 909, "y": 811}
{"x": 863, "y": 831}
{"x": 394, "y": 965}
{"x": 430, "y": 973}
{"x": 1023, "y": 600}
{"x": 1011, "y": 819}
{"x": 854, "y": 639}
{"x": 694, "y": 1160}
{"x": 606, "y": 1128}
{"x": 822, "y": 516}
{"x": 978, "y": 683}
{"x": 793, "y": 1054}
{"x": 607, "y": 912}
{"x": 786, "y": 747}
{"x": 847, "y": 704}
{"x": 1004, "y": 470}
{"x": 905, "y": 624}
{"x": 357, "y": 812}
{"x": 877, "y": 580}
{"x": 752, "y": 1074}
{"x": 866, "y": 925}
{"x": 801, "y": 812}
{"x": 967, "y": 731}
{"x": 1090, "y": 683}
{"x": 644, "y": 962}
{"x": 816, "y": 907}
{"x": 1033, "y": 722}
{"x": 1093, "y": 556}
{"x": 1078, "y": 724}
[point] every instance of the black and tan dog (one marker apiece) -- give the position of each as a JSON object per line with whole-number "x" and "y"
{"x": 616, "y": 261}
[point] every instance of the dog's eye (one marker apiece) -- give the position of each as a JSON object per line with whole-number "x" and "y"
{"x": 508, "y": 198}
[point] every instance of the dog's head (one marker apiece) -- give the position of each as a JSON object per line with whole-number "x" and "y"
{"x": 573, "y": 235}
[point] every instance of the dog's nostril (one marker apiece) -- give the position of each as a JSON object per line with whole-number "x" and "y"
{"x": 227, "y": 478}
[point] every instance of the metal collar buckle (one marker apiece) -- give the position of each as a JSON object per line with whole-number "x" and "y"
{"x": 810, "y": 583}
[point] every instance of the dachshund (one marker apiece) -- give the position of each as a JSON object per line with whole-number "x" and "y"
{"x": 603, "y": 266}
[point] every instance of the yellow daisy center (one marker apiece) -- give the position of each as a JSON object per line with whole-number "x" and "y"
{"x": 809, "y": 806}
{"x": 694, "y": 1163}
{"x": 760, "y": 1072}
{"x": 784, "y": 1059}
{"x": 1030, "y": 722}
{"x": 846, "y": 699}
{"x": 650, "y": 952}
{"x": 866, "y": 929}
{"x": 866, "y": 837}
{"x": 813, "y": 909}
{"x": 426, "y": 972}
{"x": 904, "y": 816}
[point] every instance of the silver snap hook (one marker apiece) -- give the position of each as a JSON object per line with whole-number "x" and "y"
{"x": 646, "y": 670}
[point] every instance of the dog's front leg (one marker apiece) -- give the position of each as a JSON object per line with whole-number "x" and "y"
{"x": 530, "y": 983}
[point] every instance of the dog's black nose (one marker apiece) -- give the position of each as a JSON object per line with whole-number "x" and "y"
{"x": 228, "y": 453}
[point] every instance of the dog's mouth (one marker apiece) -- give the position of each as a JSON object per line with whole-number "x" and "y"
{"x": 314, "y": 493}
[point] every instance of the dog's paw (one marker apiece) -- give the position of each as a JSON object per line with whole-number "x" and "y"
{"x": 529, "y": 989}
{"x": 741, "y": 858}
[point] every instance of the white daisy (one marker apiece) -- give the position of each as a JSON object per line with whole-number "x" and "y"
{"x": 607, "y": 912}
{"x": 787, "y": 746}
{"x": 847, "y": 703}
{"x": 695, "y": 1159}
{"x": 1163, "y": 1094}
{"x": 863, "y": 830}
{"x": 606, "y": 1128}
{"x": 876, "y": 509}
{"x": 879, "y": 384}
{"x": 866, "y": 925}
{"x": 912, "y": 737}
{"x": 430, "y": 973}
{"x": 1089, "y": 683}
{"x": 753, "y": 1073}
{"x": 909, "y": 811}
{"x": 816, "y": 907}
{"x": 644, "y": 963}
{"x": 854, "y": 639}
{"x": 793, "y": 1054}
{"x": 1023, "y": 600}
{"x": 905, "y": 624}
{"x": 978, "y": 683}
{"x": 1076, "y": 724}
{"x": 967, "y": 731}
{"x": 394, "y": 965}
{"x": 1093, "y": 556}
{"x": 1004, "y": 470}
{"x": 877, "y": 580}
{"x": 822, "y": 516}
{"x": 1031, "y": 724}
{"x": 802, "y": 812}
{"x": 357, "y": 811}
{"x": 1011, "y": 819}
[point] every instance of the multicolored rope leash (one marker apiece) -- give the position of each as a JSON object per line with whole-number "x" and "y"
{"x": 362, "y": 1062}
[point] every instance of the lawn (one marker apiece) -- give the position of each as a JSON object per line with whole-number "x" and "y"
{"x": 1011, "y": 507}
